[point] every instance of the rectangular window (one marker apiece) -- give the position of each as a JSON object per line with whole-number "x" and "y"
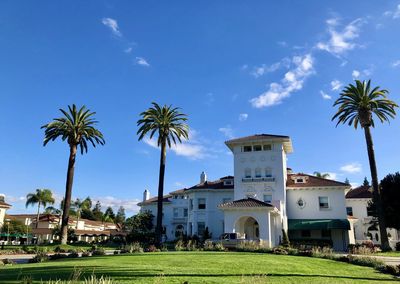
{"x": 176, "y": 212}
{"x": 246, "y": 148}
{"x": 349, "y": 211}
{"x": 305, "y": 233}
{"x": 370, "y": 212}
{"x": 323, "y": 202}
{"x": 257, "y": 148}
{"x": 247, "y": 173}
{"x": 268, "y": 172}
{"x": 267, "y": 147}
{"x": 201, "y": 203}
{"x": 185, "y": 212}
{"x": 326, "y": 233}
{"x": 191, "y": 204}
{"x": 268, "y": 198}
{"x": 258, "y": 173}
{"x": 201, "y": 226}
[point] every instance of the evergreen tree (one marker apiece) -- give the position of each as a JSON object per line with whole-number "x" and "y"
{"x": 346, "y": 181}
{"x": 120, "y": 218}
{"x": 98, "y": 215}
{"x": 110, "y": 213}
{"x": 366, "y": 182}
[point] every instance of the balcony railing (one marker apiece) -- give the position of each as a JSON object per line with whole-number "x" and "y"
{"x": 179, "y": 220}
{"x": 259, "y": 179}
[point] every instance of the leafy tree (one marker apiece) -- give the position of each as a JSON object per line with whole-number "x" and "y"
{"x": 141, "y": 228}
{"x": 52, "y": 210}
{"x": 357, "y": 105}
{"x": 390, "y": 196}
{"x": 16, "y": 227}
{"x": 346, "y": 181}
{"x": 98, "y": 214}
{"x": 366, "y": 182}
{"x": 321, "y": 175}
{"x": 77, "y": 128}
{"x": 110, "y": 213}
{"x": 79, "y": 206}
{"x": 88, "y": 214}
{"x": 120, "y": 218}
{"x": 71, "y": 237}
{"x": 170, "y": 125}
{"x": 40, "y": 197}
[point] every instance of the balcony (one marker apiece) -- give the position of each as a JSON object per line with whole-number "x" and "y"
{"x": 259, "y": 179}
{"x": 179, "y": 220}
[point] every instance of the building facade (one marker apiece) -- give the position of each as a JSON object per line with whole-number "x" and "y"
{"x": 262, "y": 199}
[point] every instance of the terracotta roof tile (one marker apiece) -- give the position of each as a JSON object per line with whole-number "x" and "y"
{"x": 3, "y": 204}
{"x": 312, "y": 181}
{"x": 246, "y": 202}
{"x": 360, "y": 192}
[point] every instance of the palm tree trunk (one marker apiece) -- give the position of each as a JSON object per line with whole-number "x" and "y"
{"x": 68, "y": 193}
{"x": 159, "y": 227}
{"x": 38, "y": 215}
{"x": 376, "y": 193}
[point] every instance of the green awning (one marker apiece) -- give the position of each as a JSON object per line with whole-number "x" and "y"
{"x": 318, "y": 224}
{"x": 15, "y": 235}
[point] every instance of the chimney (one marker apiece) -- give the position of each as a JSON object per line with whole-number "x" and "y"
{"x": 203, "y": 177}
{"x": 2, "y": 197}
{"x": 146, "y": 195}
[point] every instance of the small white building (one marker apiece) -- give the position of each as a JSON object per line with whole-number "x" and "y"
{"x": 366, "y": 226}
{"x": 3, "y": 208}
{"x": 262, "y": 199}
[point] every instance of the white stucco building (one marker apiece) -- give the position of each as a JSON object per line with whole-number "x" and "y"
{"x": 3, "y": 208}
{"x": 365, "y": 225}
{"x": 262, "y": 198}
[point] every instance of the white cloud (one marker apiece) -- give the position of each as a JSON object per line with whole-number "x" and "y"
{"x": 191, "y": 148}
{"x": 336, "y": 85}
{"x": 227, "y": 131}
{"x": 325, "y": 96}
{"x": 393, "y": 14}
{"x": 113, "y": 25}
{"x": 258, "y": 71}
{"x": 243, "y": 116}
{"x": 355, "y": 74}
{"x": 110, "y": 201}
{"x": 354, "y": 184}
{"x": 141, "y": 61}
{"x": 396, "y": 63}
{"x": 351, "y": 168}
{"x": 128, "y": 50}
{"x": 293, "y": 81}
{"x": 341, "y": 41}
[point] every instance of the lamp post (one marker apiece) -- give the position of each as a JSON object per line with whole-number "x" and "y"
{"x": 8, "y": 230}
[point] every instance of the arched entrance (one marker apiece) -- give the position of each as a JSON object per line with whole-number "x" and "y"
{"x": 179, "y": 231}
{"x": 248, "y": 227}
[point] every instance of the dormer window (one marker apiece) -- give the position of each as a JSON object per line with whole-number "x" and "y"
{"x": 247, "y": 148}
{"x": 257, "y": 148}
{"x": 299, "y": 180}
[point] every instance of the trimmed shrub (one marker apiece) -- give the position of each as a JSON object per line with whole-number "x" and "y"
{"x": 41, "y": 256}
{"x": 8, "y": 261}
{"x": 180, "y": 245}
{"x": 99, "y": 251}
{"x": 219, "y": 246}
{"x": 132, "y": 248}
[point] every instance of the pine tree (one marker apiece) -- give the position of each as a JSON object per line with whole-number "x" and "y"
{"x": 97, "y": 211}
{"x": 346, "y": 181}
{"x": 120, "y": 218}
{"x": 366, "y": 182}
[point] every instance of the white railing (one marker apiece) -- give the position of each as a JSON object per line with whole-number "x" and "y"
{"x": 259, "y": 179}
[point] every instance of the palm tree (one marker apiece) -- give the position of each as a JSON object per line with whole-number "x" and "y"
{"x": 77, "y": 128}
{"x": 41, "y": 197}
{"x": 357, "y": 105}
{"x": 170, "y": 125}
{"x": 321, "y": 175}
{"x": 80, "y": 205}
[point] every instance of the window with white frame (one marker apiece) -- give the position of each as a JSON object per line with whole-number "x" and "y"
{"x": 268, "y": 172}
{"x": 257, "y": 173}
{"x": 201, "y": 203}
{"x": 247, "y": 173}
{"x": 247, "y": 148}
{"x": 176, "y": 212}
{"x": 257, "y": 148}
{"x": 349, "y": 211}
{"x": 267, "y": 147}
{"x": 201, "y": 227}
{"x": 323, "y": 202}
{"x": 185, "y": 212}
{"x": 268, "y": 198}
{"x": 191, "y": 204}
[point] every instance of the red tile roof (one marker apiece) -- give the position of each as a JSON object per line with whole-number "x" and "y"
{"x": 360, "y": 192}
{"x": 244, "y": 203}
{"x": 257, "y": 137}
{"x": 4, "y": 205}
{"x": 312, "y": 181}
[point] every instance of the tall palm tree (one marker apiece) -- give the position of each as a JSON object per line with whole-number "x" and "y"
{"x": 357, "y": 105}
{"x": 76, "y": 126}
{"x": 40, "y": 197}
{"x": 321, "y": 175}
{"x": 170, "y": 125}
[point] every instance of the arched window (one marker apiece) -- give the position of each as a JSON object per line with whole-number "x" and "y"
{"x": 258, "y": 173}
{"x": 247, "y": 173}
{"x": 268, "y": 172}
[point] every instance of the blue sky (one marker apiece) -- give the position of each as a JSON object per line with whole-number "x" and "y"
{"x": 236, "y": 68}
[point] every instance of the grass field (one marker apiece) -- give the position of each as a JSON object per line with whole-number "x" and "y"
{"x": 200, "y": 267}
{"x": 53, "y": 246}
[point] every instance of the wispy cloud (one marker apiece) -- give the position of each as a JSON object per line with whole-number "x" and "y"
{"x": 227, "y": 131}
{"x": 351, "y": 168}
{"x": 396, "y": 63}
{"x": 355, "y": 74}
{"x": 258, "y": 71}
{"x": 243, "y": 116}
{"x": 336, "y": 85}
{"x": 292, "y": 81}
{"x": 128, "y": 50}
{"x": 324, "y": 95}
{"x": 113, "y": 25}
{"x": 393, "y": 14}
{"x": 113, "y": 202}
{"x": 142, "y": 62}
{"x": 341, "y": 41}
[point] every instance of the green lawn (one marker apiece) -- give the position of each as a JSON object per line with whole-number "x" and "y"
{"x": 389, "y": 253}
{"x": 53, "y": 246}
{"x": 201, "y": 267}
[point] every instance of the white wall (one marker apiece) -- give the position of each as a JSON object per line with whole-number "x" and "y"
{"x": 2, "y": 216}
{"x": 311, "y": 210}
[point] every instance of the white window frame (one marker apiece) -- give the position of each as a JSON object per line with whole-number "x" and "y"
{"x": 319, "y": 203}
{"x": 247, "y": 173}
{"x": 264, "y": 199}
{"x": 257, "y": 173}
{"x": 201, "y": 203}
